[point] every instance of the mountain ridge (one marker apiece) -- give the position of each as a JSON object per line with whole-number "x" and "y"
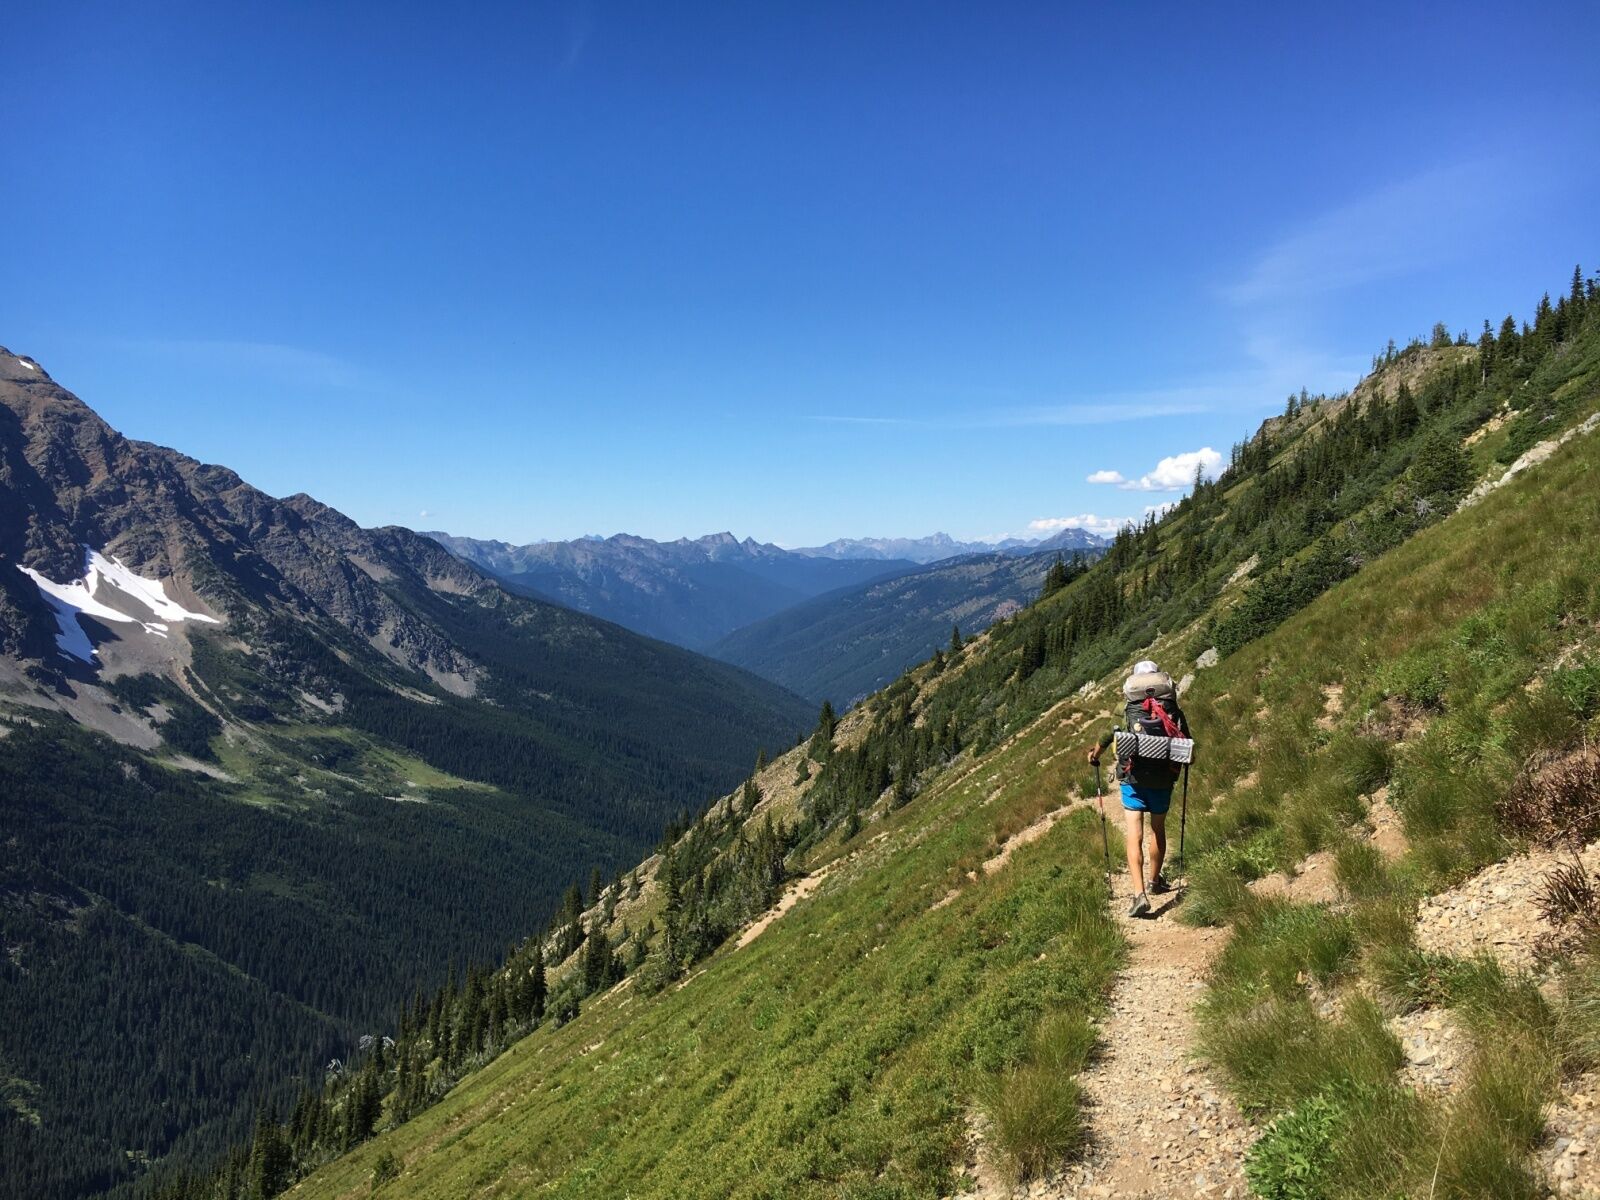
{"x": 289, "y": 767}
{"x": 691, "y": 591}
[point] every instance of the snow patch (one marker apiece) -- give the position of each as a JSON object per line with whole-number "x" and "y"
{"x": 103, "y": 578}
{"x": 27, "y": 364}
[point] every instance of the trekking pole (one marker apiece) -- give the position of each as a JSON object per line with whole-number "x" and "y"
{"x": 1183, "y": 819}
{"x": 1105, "y": 838}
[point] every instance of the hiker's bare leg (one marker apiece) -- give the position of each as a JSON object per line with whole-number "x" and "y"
{"x": 1134, "y": 839}
{"x": 1158, "y": 838}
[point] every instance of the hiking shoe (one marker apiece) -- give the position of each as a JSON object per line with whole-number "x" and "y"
{"x": 1159, "y": 886}
{"x": 1140, "y": 906}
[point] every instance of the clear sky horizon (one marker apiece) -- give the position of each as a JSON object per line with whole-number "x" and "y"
{"x": 801, "y": 271}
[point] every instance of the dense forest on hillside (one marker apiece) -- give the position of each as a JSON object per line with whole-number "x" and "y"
{"x": 1311, "y": 499}
{"x": 319, "y": 833}
{"x": 849, "y": 643}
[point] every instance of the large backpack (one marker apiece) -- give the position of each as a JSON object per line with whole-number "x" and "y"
{"x": 1152, "y": 711}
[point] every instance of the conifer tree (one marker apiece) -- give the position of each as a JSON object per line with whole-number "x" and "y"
{"x": 955, "y": 640}
{"x": 538, "y": 987}
{"x": 270, "y": 1161}
{"x": 1055, "y": 578}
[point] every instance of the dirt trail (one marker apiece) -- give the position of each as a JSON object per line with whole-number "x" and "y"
{"x": 788, "y": 900}
{"x": 1159, "y": 1128}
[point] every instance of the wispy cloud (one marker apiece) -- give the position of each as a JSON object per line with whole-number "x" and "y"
{"x": 290, "y": 363}
{"x": 1408, "y": 225}
{"x": 578, "y": 30}
{"x": 1088, "y": 522}
{"x": 1109, "y": 411}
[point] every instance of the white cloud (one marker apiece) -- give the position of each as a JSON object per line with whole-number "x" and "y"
{"x": 1088, "y": 522}
{"x": 1171, "y": 474}
{"x": 424, "y": 513}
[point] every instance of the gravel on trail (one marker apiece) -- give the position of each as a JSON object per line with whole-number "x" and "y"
{"x": 1159, "y": 1128}
{"x": 1497, "y": 910}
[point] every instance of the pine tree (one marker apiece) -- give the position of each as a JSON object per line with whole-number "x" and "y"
{"x": 1440, "y": 469}
{"x": 955, "y": 640}
{"x": 538, "y": 987}
{"x": 596, "y": 961}
{"x": 821, "y": 747}
{"x": 270, "y": 1162}
{"x": 826, "y": 721}
{"x": 1032, "y": 654}
{"x": 1055, "y": 578}
{"x": 1406, "y": 415}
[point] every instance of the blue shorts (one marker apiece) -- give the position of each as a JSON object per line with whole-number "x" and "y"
{"x": 1146, "y": 799}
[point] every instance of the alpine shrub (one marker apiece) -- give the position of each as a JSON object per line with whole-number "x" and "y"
{"x": 1292, "y": 1157}
{"x": 1580, "y": 687}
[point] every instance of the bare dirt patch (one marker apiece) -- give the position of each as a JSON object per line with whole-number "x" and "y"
{"x": 1497, "y": 911}
{"x": 788, "y": 900}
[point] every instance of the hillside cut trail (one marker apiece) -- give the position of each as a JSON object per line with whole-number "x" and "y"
{"x": 1157, "y": 1127}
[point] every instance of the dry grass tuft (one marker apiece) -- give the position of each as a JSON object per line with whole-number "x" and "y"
{"x": 1556, "y": 798}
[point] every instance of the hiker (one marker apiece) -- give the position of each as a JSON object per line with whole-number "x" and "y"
{"x": 1152, "y": 707}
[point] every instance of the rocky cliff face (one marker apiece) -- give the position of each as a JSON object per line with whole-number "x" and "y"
{"x": 70, "y": 483}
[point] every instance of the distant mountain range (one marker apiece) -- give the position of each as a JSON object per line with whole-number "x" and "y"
{"x": 847, "y": 644}
{"x": 695, "y": 592}
{"x": 939, "y": 546}
{"x": 689, "y": 592}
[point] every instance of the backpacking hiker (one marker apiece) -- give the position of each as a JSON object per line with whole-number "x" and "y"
{"x": 1151, "y": 708}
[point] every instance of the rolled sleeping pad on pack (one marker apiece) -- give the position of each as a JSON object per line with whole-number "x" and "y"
{"x": 1153, "y": 747}
{"x": 1149, "y": 683}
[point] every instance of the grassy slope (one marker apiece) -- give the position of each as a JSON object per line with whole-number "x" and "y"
{"x": 834, "y": 1054}
{"x": 837, "y": 1054}
{"x": 1464, "y": 674}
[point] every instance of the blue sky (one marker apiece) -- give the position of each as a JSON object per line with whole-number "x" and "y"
{"x": 801, "y": 271}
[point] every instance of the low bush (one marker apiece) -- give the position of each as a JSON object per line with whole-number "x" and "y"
{"x": 1277, "y": 946}
{"x": 1362, "y": 870}
{"x": 1365, "y": 763}
{"x": 1216, "y": 892}
{"x": 1579, "y": 688}
{"x": 1291, "y": 1160}
{"x": 1033, "y": 1108}
{"x": 1279, "y": 1053}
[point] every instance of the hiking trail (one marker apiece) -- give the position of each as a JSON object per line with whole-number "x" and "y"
{"x": 1157, "y": 1127}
